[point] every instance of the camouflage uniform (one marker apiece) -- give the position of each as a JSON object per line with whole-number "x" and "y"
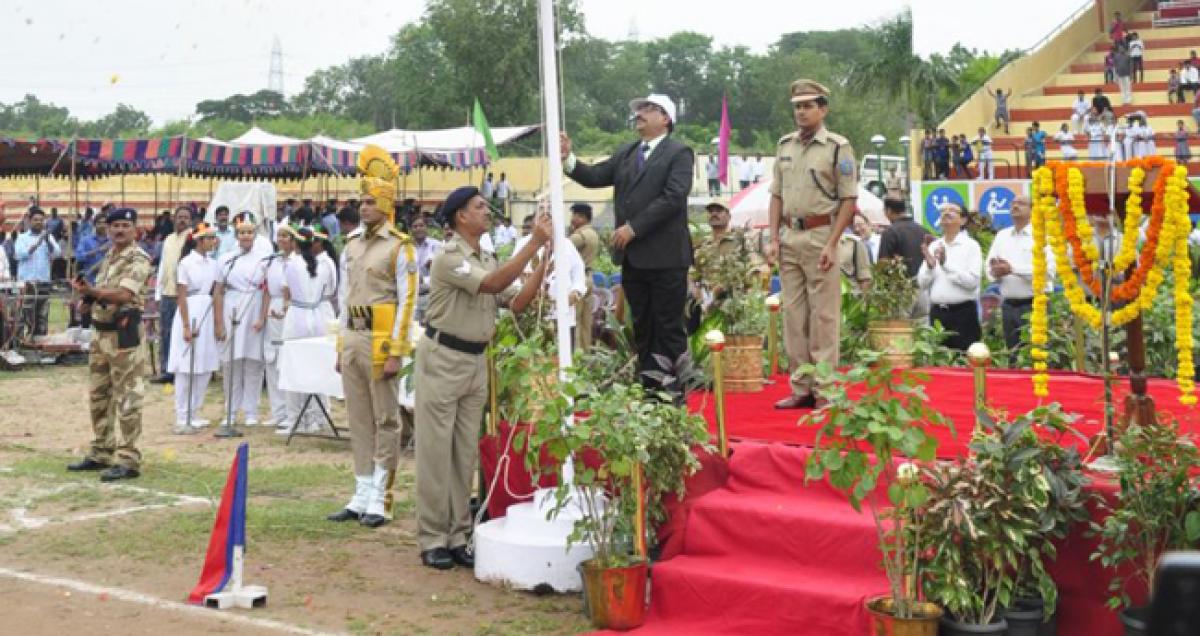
{"x": 116, "y": 375}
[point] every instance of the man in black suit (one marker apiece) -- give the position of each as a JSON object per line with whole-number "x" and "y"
{"x": 651, "y": 179}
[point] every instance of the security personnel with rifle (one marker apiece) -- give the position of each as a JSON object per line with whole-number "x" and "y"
{"x": 117, "y": 360}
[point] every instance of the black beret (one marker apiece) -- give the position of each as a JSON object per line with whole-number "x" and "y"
{"x": 121, "y": 214}
{"x": 455, "y": 202}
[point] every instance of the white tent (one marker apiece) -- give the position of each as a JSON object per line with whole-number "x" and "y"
{"x": 448, "y": 139}
{"x": 258, "y": 137}
{"x": 750, "y": 206}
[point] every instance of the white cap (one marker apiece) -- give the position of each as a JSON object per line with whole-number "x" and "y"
{"x": 658, "y": 99}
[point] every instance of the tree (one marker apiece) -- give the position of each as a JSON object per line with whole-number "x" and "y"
{"x": 124, "y": 121}
{"x": 243, "y": 108}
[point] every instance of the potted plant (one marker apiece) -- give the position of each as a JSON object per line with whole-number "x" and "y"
{"x": 1154, "y": 511}
{"x": 889, "y": 302}
{"x": 1045, "y": 477}
{"x": 729, "y": 279}
{"x": 876, "y": 422}
{"x": 629, "y": 437}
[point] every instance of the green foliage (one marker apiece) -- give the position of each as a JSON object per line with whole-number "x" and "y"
{"x": 1044, "y": 479}
{"x": 728, "y": 271}
{"x": 875, "y": 417}
{"x": 624, "y": 430}
{"x": 892, "y": 292}
{"x": 1156, "y": 509}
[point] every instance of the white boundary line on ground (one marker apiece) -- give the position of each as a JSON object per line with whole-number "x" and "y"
{"x": 21, "y": 521}
{"x": 145, "y": 599}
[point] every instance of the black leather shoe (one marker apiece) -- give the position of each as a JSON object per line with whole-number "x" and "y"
{"x": 119, "y": 472}
{"x": 373, "y": 521}
{"x": 463, "y": 556}
{"x": 163, "y": 379}
{"x": 438, "y": 559}
{"x": 345, "y": 514}
{"x": 87, "y": 463}
{"x": 797, "y": 402}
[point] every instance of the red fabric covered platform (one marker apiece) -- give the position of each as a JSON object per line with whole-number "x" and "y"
{"x": 752, "y": 416}
{"x": 753, "y": 550}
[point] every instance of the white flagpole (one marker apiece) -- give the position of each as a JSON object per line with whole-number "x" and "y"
{"x": 546, "y": 34}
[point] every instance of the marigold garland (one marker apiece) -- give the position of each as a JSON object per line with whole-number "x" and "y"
{"x": 1061, "y": 221}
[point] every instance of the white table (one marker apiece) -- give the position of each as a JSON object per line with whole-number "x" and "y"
{"x": 306, "y": 365}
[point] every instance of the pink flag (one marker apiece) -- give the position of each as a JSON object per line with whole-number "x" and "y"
{"x": 723, "y": 143}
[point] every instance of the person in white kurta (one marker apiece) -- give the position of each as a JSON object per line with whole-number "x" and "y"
{"x": 1066, "y": 141}
{"x": 307, "y": 316}
{"x": 1097, "y": 140}
{"x": 272, "y": 316}
{"x": 194, "y": 349}
{"x": 1145, "y": 140}
{"x": 238, "y": 298}
{"x": 576, "y": 277}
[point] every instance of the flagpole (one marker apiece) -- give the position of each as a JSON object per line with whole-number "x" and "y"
{"x": 554, "y": 168}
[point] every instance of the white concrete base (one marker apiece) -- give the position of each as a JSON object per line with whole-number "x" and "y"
{"x": 525, "y": 550}
{"x": 246, "y": 597}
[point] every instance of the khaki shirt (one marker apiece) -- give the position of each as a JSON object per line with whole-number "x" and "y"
{"x": 456, "y": 305}
{"x": 587, "y": 243}
{"x": 168, "y": 262}
{"x": 807, "y": 179}
{"x": 710, "y": 251}
{"x": 380, "y": 268}
{"x": 854, "y": 259}
{"x": 128, "y": 269}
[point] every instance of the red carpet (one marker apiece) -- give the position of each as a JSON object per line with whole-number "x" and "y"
{"x": 752, "y": 416}
{"x": 752, "y": 550}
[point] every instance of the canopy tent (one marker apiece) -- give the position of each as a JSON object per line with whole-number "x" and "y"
{"x": 255, "y": 154}
{"x": 749, "y": 208}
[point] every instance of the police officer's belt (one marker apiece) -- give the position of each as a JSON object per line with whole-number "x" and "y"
{"x": 360, "y": 317}
{"x": 449, "y": 341}
{"x": 104, "y": 326}
{"x": 811, "y": 222}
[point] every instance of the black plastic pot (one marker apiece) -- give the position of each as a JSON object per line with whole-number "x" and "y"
{"x": 1022, "y": 621}
{"x": 1136, "y": 621}
{"x": 951, "y": 627}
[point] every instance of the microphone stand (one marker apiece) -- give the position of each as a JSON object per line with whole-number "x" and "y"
{"x": 229, "y": 429}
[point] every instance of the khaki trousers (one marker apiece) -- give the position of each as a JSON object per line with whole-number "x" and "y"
{"x": 451, "y": 393}
{"x": 811, "y": 301}
{"x": 583, "y": 321}
{"x": 116, "y": 386}
{"x": 372, "y": 406}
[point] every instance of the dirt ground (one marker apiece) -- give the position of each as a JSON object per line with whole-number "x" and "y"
{"x": 149, "y": 536}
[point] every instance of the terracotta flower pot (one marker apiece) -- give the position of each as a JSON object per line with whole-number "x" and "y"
{"x": 743, "y": 364}
{"x": 894, "y": 339}
{"x": 885, "y": 623}
{"x": 615, "y": 597}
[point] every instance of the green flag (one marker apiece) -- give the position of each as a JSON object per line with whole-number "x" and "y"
{"x": 481, "y": 125}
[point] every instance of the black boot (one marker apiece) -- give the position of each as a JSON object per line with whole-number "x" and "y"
{"x": 345, "y": 514}
{"x": 87, "y": 463}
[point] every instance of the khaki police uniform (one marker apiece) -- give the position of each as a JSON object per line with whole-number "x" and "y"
{"x": 812, "y": 177}
{"x": 587, "y": 243}
{"x": 380, "y": 278}
{"x": 854, "y": 260}
{"x": 117, "y": 360}
{"x": 451, "y": 377}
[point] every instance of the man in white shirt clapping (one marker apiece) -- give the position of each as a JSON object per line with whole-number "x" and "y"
{"x": 1010, "y": 261}
{"x": 951, "y": 273}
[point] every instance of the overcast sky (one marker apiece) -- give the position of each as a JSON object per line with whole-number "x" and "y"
{"x": 164, "y": 57}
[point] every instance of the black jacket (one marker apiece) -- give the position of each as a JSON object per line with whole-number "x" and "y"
{"x": 653, "y": 201}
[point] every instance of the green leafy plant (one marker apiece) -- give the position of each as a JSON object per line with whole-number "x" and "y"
{"x": 733, "y": 278}
{"x": 624, "y": 428}
{"x": 1156, "y": 509}
{"x": 976, "y": 534}
{"x": 892, "y": 292}
{"x": 1044, "y": 478}
{"x": 876, "y": 418}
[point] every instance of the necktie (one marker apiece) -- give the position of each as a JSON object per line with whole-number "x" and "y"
{"x": 641, "y": 158}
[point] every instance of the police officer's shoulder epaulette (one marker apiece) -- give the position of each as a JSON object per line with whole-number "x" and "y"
{"x": 137, "y": 253}
{"x": 400, "y": 235}
{"x": 451, "y": 246}
{"x": 788, "y": 137}
{"x": 837, "y": 139}
{"x": 355, "y": 233}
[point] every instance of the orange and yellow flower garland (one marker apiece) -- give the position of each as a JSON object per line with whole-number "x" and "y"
{"x": 1062, "y": 221}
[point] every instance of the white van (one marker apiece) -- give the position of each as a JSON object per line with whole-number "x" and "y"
{"x": 869, "y": 175}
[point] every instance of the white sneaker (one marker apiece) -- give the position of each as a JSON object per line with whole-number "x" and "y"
{"x": 197, "y": 423}
{"x": 181, "y": 428}
{"x": 251, "y": 421}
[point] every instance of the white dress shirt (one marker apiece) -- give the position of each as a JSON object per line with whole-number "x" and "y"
{"x": 1016, "y": 247}
{"x": 576, "y": 274}
{"x": 956, "y": 280}
{"x": 872, "y": 243}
